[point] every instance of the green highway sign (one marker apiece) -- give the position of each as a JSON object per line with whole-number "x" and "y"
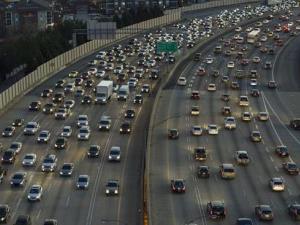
{"x": 164, "y": 46}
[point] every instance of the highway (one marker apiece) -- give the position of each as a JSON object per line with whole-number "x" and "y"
{"x": 173, "y": 159}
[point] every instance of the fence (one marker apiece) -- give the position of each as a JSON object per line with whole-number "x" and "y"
{"x": 54, "y": 65}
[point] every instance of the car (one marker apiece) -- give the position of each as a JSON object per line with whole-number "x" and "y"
{"x": 18, "y": 122}
{"x": 244, "y": 221}
{"x": 254, "y": 93}
{"x": 84, "y": 133}
{"x": 145, "y": 88}
{"x": 235, "y": 85}
{"x": 46, "y": 93}
{"x": 203, "y": 172}
{"x": 49, "y": 108}
{"x": 4, "y": 213}
{"x": 69, "y": 104}
{"x": 138, "y": 99}
{"x": 115, "y": 154}
{"x": 18, "y": 179}
{"x": 211, "y": 87}
{"x": 58, "y": 97}
{"x": 66, "y": 169}
{"x": 246, "y": 116}
{"x": 49, "y": 163}
{"x": 66, "y": 131}
{"x": 197, "y": 57}
{"x": 255, "y": 136}
{"x": 226, "y": 111}
{"x": 31, "y": 128}
{"x": 209, "y": 60}
{"x": 282, "y": 151}
{"x": 125, "y": 128}
{"x": 229, "y": 123}
{"x": 44, "y": 136}
{"x": 35, "y": 106}
{"x": 87, "y": 99}
{"x": 104, "y": 123}
{"x": 230, "y": 65}
{"x": 173, "y": 134}
{"x": 82, "y": 120}
{"x": 295, "y": 123}
{"x": 268, "y": 65}
{"x": 112, "y": 187}
{"x": 69, "y": 88}
{"x": 132, "y": 82}
{"x": 60, "y": 83}
{"x": 253, "y": 82}
{"x": 35, "y": 193}
{"x": 195, "y": 95}
{"x": 178, "y": 186}
{"x": 181, "y": 81}
{"x": 215, "y": 73}
{"x": 61, "y": 143}
{"x": 197, "y": 130}
{"x": 291, "y": 168}
{"x": 79, "y": 92}
{"x": 9, "y": 156}
{"x": 264, "y": 212}
{"x": 256, "y": 59}
{"x": 50, "y": 222}
{"x": 23, "y": 220}
{"x": 242, "y": 157}
{"x": 277, "y": 184}
{"x": 195, "y": 111}
{"x": 272, "y": 84}
{"x": 8, "y": 131}
{"x": 294, "y": 211}
{"x": 16, "y": 147}
{"x": 29, "y": 159}
{"x": 213, "y": 129}
{"x": 227, "y": 171}
{"x": 73, "y": 74}
{"x": 200, "y": 153}
{"x": 216, "y": 210}
{"x": 78, "y": 82}
{"x": 130, "y": 113}
{"x": 201, "y": 71}
{"x": 225, "y": 97}
{"x": 263, "y": 116}
{"x": 83, "y": 182}
{"x": 225, "y": 79}
{"x": 93, "y": 151}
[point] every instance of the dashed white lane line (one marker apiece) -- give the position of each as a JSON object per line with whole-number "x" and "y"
{"x": 276, "y": 168}
{"x": 271, "y": 158}
{"x": 68, "y": 201}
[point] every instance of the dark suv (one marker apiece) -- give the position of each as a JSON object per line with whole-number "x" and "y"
{"x": 200, "y": 153}
{"x": 295, "y": 123}
{"x": 216, "y": 210}
{"x": 23, "y": 220}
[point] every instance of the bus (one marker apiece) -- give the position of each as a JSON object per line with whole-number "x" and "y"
{"x": 253, "y": 36}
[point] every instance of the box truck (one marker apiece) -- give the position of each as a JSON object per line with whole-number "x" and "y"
{"x": 104, "y": 91}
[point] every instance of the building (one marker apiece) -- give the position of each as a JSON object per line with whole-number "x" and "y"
{"x": 25, "y": 15}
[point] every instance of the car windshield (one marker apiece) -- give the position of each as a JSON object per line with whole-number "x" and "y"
{"x": 18, "y": 176}
{"x": 14, "y": 146}
{"x": 266, "y": 211}
{"x": 67, "y": 167}
{"x": 93, "y": 149}
{"x": 82, "y": 179}
{"x": 218, "y": 208}
{"x": 43, "y": 135}
{"x": 243, "y": 156}
{"x": 178, "y": 184}
{"x": 82, "y": 119}
{"x": 229, "y": 170}
{"x": 60, "y": 141}
{"x": 2, "y": 211}
{"x": 83, "y": 131}
{"x": 48, "y": 161}
{"x": 112, "y": 184}
{"x": 28, "y": 157}
{"x": 8, "y": 129}
{"x": 105, "y": 122}
{"x": 34, "y": 191}
{"x": 30, "y": 126}
{"x": 114, "y": 152}
{"x": 66, "y": 130}
{"x": 292, "y": 166}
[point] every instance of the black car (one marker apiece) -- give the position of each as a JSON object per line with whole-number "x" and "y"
{"x": 255, "y": 93}
{"x": 50, "y": 222}
{"x": 244, "y": 221}
{"x": 130, "y": 113}
{"x": 49, "y": 108}
{"x": 94, "y": 151}
{"x": 78, "y": 82}
{"x": 4, "y": 213}
{"x": 46, "y": 93}
{"x": 58, "y": 97}
{"x": 18, "y": 179}
{"x": 9, "y": 156}
{"x": 154, "y": 74}
{"x": 35, "y": 106}
{"x": 60, "y": 83}
{"x": 23, "y": 220}
{"x": 200, "y": 153}
{"x": 294, "y": 211}
{"x": 225, "y": 97}
{"x": 66, "y": 169}
{"x": 89, "y": 83}
{"x": 203, "y": 172}
{"x": 295, "y": 123}
{"x": 282, "y": 151}
{"x": 87, "y": 99}
{"x": 173, "y": 134}
{"x": 18, "y": 122}
{"x": 216, "y": 210}
{"x": 60, "y": 143}
{"x": 125, "y": 128}
{"x": 226, "y": 111}
{"x": 138, "y": 99}
{"x": 178, "y": 186}
{"x": 291, "y": 168}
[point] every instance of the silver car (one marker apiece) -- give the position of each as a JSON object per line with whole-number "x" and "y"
{"x": 84, "y": 133}
{"x": 31, "y": 128}
{"x": 35, "y": 193}
{"x": 82, "y": 120}
{"x": 115, "y": 154}
{"x": 16, "y": 147}
{"x": 112, "y": 187}
{"x": 83, "y": 182}
{"x": 29, "y": 159}
{"x": 66, "y": 132}
{"x": 44, "y": 136}
{"x": 242, "y": 157}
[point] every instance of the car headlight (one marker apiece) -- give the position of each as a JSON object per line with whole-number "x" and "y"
{"x": 121, "y": 129}
{"x": 55, "y": 145}
{"x": 107, "y": 191}
{"x": 118, "y": 157}
{"x": 44, "y": 110}
{"x": 11, "y": 182}
{"x": 116, "y": 191}
{"x": 110, "y": 157}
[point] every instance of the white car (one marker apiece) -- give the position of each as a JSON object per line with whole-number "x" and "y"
{"x": 263, "y": 38}
{"x": 256, "y": 59}
{"x": 83, "y": 181}
{"x": 229, "y": 123}
{"x": 238, "y": 29}
{"x": 82, "y": 120}
{"x": 35, "y": 193}
{"x": 181, "y": 81}
{"x": 197, "y": 130}
{"x": 29, "y": 159}
{"x": 230, "y": 64}
{"x": 92, "y": 71}
{"x": 213, "y": 129}
{"x": 277, "y": 184}
{"x": 16, "y": 147}
{"x": 115, "y": 154}
{"x": 73, "y": 74}
{"x": 100, "y": 73}
{"x": 31, "y": 128}
{"x": 44, "y": 136}
{"x": 244, "y": 101}
{"x": 101, "y": 55}
{"x": 209, "y": 60}
{"x": 211, "y": 87}
{"x": 246, "y": 116}
{"x": 84, "y": 133}
{"x": 253, "y": 82}
{"x": 66, "y": 132}
{"x": 69, "y": 103}
{"x": 242, "y": 157}
{"x": 263, "y": 116}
